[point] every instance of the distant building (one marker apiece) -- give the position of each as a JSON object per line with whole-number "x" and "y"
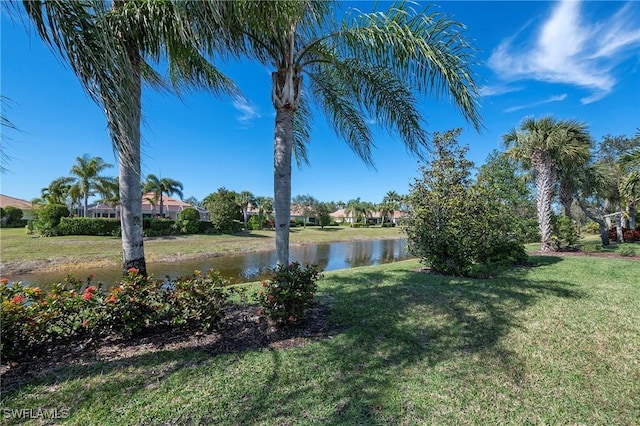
{"x": 25, "y": 206}
{"x": 170, "y": 208}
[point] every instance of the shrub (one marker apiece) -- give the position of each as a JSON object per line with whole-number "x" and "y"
{"x": 190, "y": 214}
{"x": 12, "y": 217}
{"x": 49, "y": 217}
{"x": 200, "y": 299}
{"x": 564, "y": 233}
{"x": 457, "y": 227}
{"x": 592, "y": 228}
{"x": 629, "y": 235}
{"x": 33, "y": 319}
{"x": 153, "y": 227}
{"x": 88, "y": 226}
{"x": 626, "y": 250}
{"x": 591, "y": 247}
{"x": 289, "y": 292}
{"x": 254, "y": 222}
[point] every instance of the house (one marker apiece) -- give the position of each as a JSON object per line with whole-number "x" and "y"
{"x": 374, "y": 218}
{"x": 25, "y": 206}
{"x": 170, "y": 208}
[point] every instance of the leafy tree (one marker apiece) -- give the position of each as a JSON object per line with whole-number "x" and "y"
{"x": 111, "y": 47}
{"x": 593, "y": 184}
{"x": 613, "y": 151}
{"x": 161, "y": 186}
{"x": 223, "y": 209}
{"x": 323, "y": 214}
{"x": 543, "y": 146}
{"x": 13, "y": 215}
{"x": 306, "y": 204}
{"x": 454, "y": 226}
{"x": 87, "y": 174}
{"x": 49, "y": 216}
{"x": 246, "y": 199}
{"x": 193, "y": 201}
{"x": 500, "y": 175}
{"x": 390, "y": 203}
{"x": 368, "y": 66}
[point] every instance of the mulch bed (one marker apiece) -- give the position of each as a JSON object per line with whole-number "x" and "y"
{"x": 241, "y": 330}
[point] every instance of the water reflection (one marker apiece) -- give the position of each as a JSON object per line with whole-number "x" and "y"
{"x": 255, "y": 265}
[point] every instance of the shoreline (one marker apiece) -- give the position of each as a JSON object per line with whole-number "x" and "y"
{"x": 17, "y": 267}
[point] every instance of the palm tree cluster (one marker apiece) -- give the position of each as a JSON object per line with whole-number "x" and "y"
{"x": 566, "y": 161}
{"x": 86, "y": 181}
{"x": 361, "y": 68}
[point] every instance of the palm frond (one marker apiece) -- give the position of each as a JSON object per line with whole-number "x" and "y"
{"x": 335, "y": 97}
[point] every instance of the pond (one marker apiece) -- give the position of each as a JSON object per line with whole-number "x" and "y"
{"x": 253, "y": 266}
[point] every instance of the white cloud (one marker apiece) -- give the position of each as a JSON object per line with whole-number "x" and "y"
{"x": 567, "y": 49}
{"x": 498, "y": 89}
{"x": 249, "y": 112}
{"x": 556, "y": 98}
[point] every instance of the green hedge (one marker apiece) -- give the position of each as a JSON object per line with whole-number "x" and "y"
{"x": 89, "y": 226}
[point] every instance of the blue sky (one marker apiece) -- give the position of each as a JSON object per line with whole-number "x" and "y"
{"x": 572, "y": 60}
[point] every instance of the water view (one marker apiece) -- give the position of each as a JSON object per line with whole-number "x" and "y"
{"x": 252, "y": 266}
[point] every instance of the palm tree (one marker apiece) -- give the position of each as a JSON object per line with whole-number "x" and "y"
{"x": 110, "y": 46}
{"x": 245, "y": 199}
{"x": 542, "y": 146}
{"x": 109, "y": 191}
{"x": 265, "y": 208}
{"x": 58, "y": 191}
{"x": 391, "y": 200}
{"x": 162, "y": 186}
{"x": 368, "y": 66}
{"x": 87, "y": 172}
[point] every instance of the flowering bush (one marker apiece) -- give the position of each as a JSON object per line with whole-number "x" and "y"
{"x": 32, "y": 318}
{"x": 200, "y": 299}
{"x": 289, "y": 292}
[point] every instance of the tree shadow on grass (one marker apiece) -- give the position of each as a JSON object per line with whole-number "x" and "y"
{"x": 383, "y": 321}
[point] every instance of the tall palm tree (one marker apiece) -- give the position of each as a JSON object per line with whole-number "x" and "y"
{"x": 391, "y": 200}
{"x": 58, "y": 191}
{"x": 245, "y": 199}
{"x": 111, "y": 47}
{"x": 87, "y": 172}
{"x": 367, "y": 66}
{"x": 161, "y": 186}
{"x": 542, "y": 146}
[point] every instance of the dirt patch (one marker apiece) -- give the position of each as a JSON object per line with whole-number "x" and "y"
{"x": 241, "y": 330}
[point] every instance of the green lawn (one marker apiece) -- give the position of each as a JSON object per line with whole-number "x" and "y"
{"x": 16, "y": 247}
{"x": 558, "y": 343}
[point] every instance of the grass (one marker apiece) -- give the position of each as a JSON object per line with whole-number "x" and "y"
{"x": 558, "y": 343}
{"x": 57, "y": 252}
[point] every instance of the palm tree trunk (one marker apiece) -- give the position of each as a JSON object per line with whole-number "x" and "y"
{"x": 619, "y": 232}
{"x": 86, "y": 205}
{"x": 161, "y": 205}
{"x": 632, "y": 215}
{"x": 283, "y": 142}
{"x": 129, "y": 178}
{"x": 545, "y": 181}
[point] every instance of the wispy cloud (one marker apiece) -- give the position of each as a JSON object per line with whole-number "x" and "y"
{"x": 556, "y": 98}
{"x": 567, "y": 49}
{"x": 498, "y": 89}
{"x": 249, "y": 112}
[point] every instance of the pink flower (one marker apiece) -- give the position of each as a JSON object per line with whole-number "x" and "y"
{"x": 260, "y": 293}
{"x": 4, "y": 281}
{"x": 90, "y": 289}
{"x": 133, "y": 270}
{"x": 260, "y": 311}
{"x": 18, "y": 299}
{"x": 37, "y": 290}
{"x": 87, "y": 295}
{"x": 271, "y": 298}
{"x": 292, "y": 318}
{"x": 111, "y": 299}
{"x": 84, "y": 323}
{"x": 264, "y": 283}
